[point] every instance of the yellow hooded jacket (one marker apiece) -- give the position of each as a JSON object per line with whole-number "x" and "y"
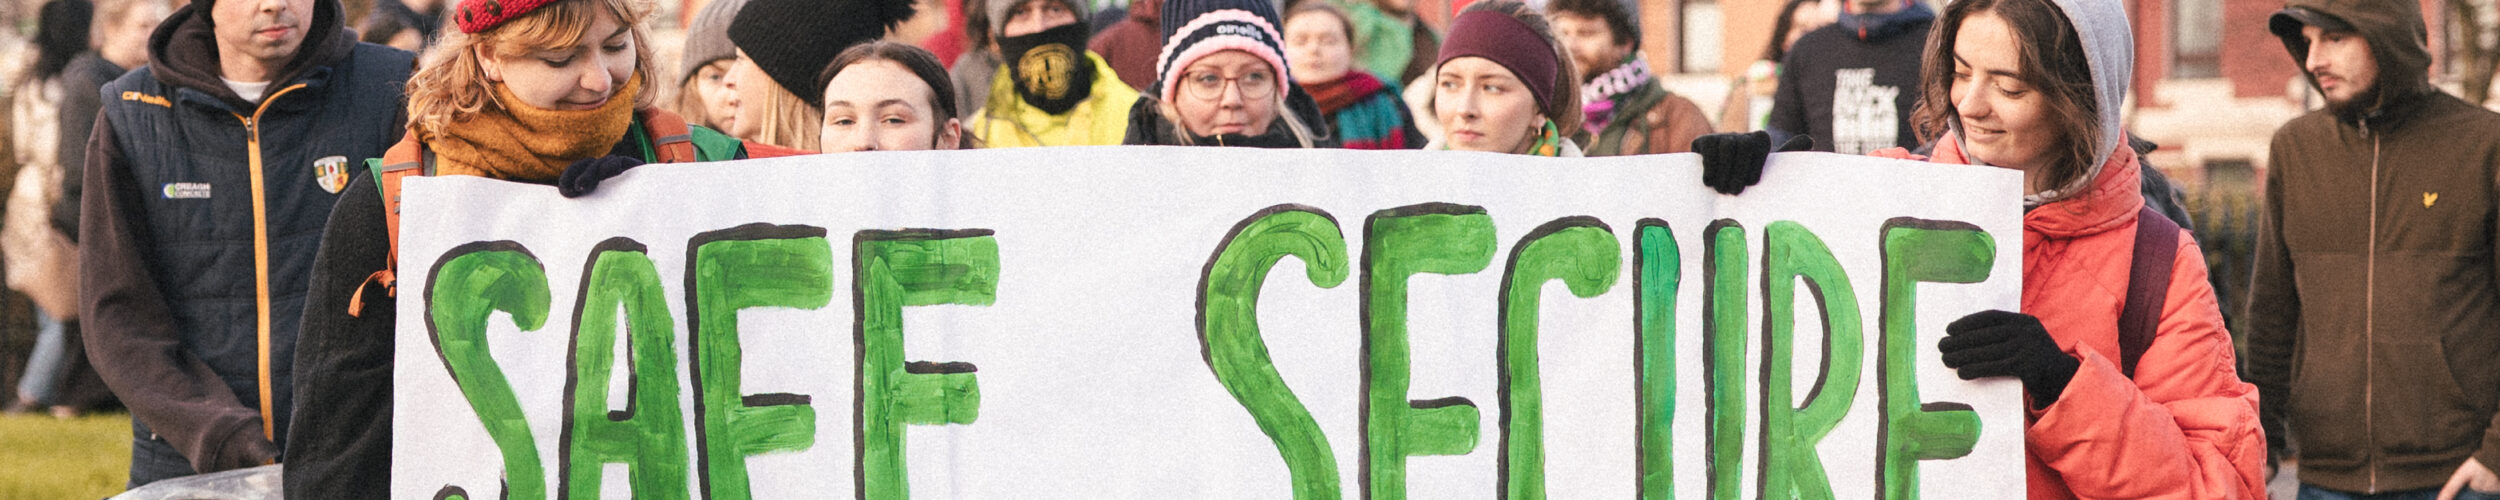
{"x": 1101, "y": 120}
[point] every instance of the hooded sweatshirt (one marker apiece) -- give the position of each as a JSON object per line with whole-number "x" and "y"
{"x": 2372, "y": 310}
{"x": 201, "y": 215}
{"x": 2185, "y": 425}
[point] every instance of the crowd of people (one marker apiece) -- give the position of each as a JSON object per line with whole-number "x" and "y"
{"x": 247, "y": 333}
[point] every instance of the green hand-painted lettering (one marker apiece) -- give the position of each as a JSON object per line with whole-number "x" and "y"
{"x": 751, "y": 266}
{"x": 1397, "y": 245}
{"x": 893, "y": 270}
{"x": 1723, "y": 361}
{"x": 469, "y": 283}
{"x": 1228, "y": 329}
{"x": 1917, "y": 251}
{"x": 1660, "y": 265}
{"x": 1791, "y": 468}
{"x": 649, "y": 435}
{"x": 1583, "y": 254}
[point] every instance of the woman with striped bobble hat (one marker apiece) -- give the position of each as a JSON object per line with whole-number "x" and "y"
{"x": 1222, "y": 80}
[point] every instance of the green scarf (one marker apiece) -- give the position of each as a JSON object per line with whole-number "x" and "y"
{"x": 1547, "y": 142}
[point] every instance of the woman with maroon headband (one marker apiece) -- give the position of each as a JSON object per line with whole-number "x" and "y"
{"x": 1491, "y": 92}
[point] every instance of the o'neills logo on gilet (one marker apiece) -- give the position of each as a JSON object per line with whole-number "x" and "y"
{"x": 129, "y": 95}
{"x": 186, "y": 191}
{"x": 331, "y": 173}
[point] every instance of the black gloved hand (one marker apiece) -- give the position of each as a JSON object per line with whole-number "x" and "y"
{"x": 2004, "y": 344}
{"x": 1731, "y": 162}
{"x": 583, "y": 176}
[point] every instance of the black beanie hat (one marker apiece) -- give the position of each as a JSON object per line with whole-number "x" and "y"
{"x": 793, "y": 39}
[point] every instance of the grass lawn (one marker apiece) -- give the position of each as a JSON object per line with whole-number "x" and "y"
{"x": 86, "y": 457}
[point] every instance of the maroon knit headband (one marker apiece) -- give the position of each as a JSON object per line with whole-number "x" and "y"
{"x": 1497, "y": 37}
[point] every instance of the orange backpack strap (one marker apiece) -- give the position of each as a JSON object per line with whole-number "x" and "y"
{"x": 671, "y": 140}
{"x": 408, "y": 158}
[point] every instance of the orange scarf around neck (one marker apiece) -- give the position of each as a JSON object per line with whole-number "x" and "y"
{"x": 515, "y": 141}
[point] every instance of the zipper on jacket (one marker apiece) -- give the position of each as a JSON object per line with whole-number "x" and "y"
{"x": 260, "y": 258}
{"x": 2369, "y": 313}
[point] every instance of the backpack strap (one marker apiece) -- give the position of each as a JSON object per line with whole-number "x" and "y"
{"x": 406, "y": 159}
{"x": 671, "y": 140}
{"x": 2148, "y": 286}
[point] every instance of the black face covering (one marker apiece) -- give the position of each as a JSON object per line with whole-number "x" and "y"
{"x": 1050, "y": 69}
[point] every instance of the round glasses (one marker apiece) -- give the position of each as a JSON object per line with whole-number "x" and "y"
{"x": 1209, "y": 85}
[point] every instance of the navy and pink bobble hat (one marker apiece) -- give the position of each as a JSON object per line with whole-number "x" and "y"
{"x": 1194, "y": 29}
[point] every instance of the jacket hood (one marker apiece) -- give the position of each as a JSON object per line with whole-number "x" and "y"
{"x": 2398, "y": 40}
{"x": 183, "y": 50}
{"x": 1149, "y": 12}
{"x": 2109, "y": 51}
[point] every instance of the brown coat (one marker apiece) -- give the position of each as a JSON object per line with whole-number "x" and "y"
{"x": 1666, "y": 123}
{"x": 2373, "y": 322}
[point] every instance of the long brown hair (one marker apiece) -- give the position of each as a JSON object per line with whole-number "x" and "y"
{"x": 450, "y": 85}
{"x": 2052, "y": 63}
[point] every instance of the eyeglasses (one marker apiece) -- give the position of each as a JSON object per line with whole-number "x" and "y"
{"x": 1208, "y": 85}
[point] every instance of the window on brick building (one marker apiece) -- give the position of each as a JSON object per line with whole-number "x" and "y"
{"x": 2195, "y": 38}
{"x": 1702, "y": 37}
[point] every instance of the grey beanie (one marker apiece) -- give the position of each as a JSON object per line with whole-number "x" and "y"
{"x": 998, "y": 12}
{"x": 707, "y": 39}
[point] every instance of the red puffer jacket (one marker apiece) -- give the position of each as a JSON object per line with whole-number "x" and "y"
{"x": 2186, "y": 425}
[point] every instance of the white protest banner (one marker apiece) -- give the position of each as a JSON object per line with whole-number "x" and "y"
{"x": 1206, "y": 323}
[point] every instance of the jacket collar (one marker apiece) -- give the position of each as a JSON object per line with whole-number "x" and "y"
{"x": 2113, "y": 199}
{"x": 2396, "y": 106}
{"x": 183, "y": 53}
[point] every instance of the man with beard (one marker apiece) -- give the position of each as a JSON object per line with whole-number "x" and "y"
{"x": 1625, "y": 111}
{"x": 2370, "y": 322}
{"x": 1049, "y": 90}
{"x": 209, "y": 176}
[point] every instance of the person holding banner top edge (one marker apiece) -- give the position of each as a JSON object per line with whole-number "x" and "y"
{"x": 537, "y": 91}
{"x": 2144, "y": 403}
{"x": 1491, "y": 92}
{"x": 888, "y": 96}
{"x": 1221, "y": 81}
